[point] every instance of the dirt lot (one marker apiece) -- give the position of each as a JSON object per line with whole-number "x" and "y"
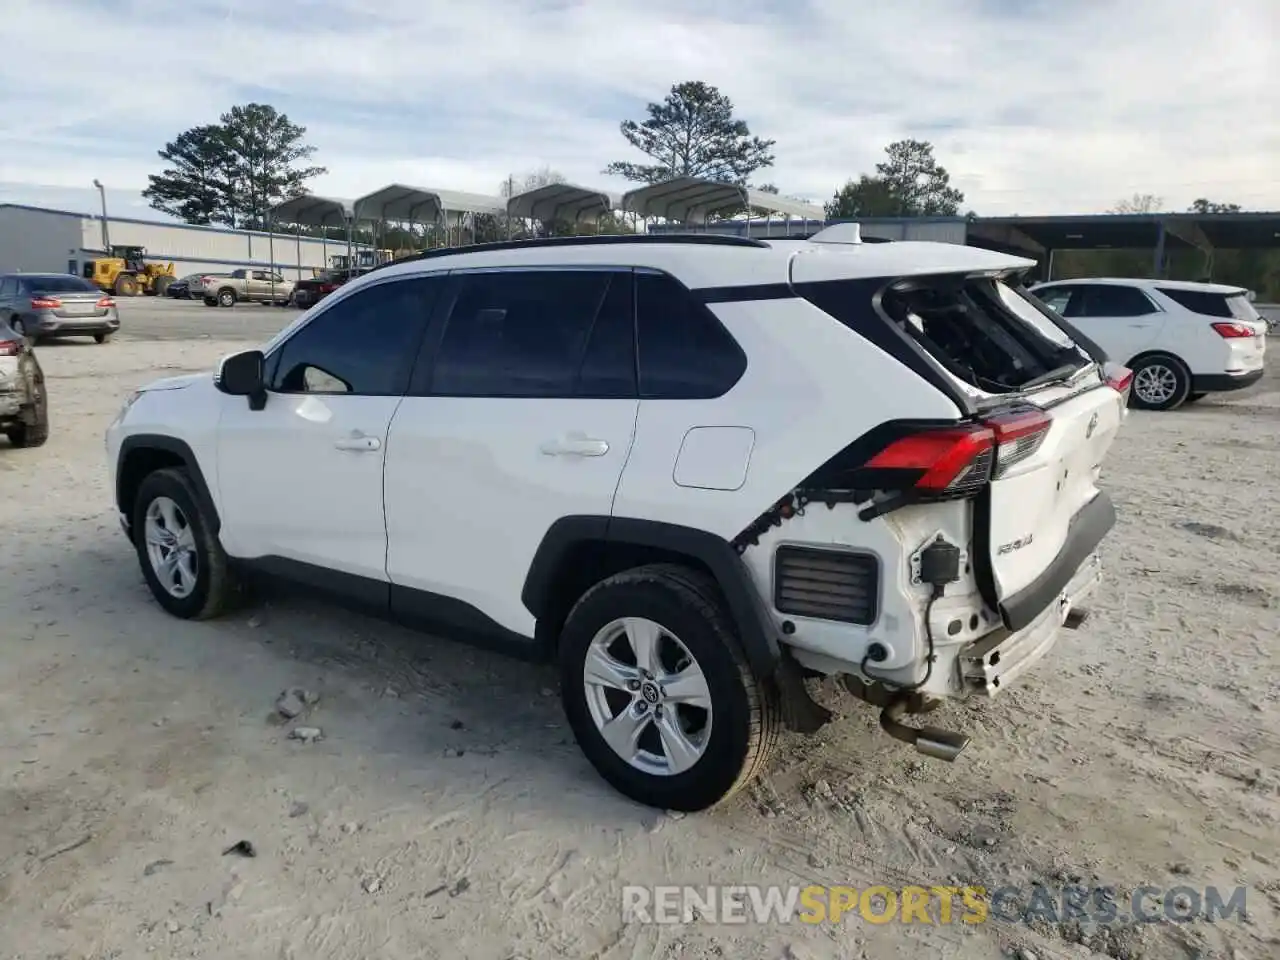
{"x": 447, "y": 813}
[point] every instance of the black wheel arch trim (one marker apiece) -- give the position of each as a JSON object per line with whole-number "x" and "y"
{"x": 1088, "y": 528}
{"x": 746, "y": 606}
{"x": 181, "y": 449}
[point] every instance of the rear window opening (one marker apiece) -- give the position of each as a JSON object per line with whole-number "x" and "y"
{"x": 983, "y": 331}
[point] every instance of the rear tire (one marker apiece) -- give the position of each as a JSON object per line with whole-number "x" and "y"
{"x": 126, "y": 286}
{"x": 101, "y": 337}
{"x": 214, "y": 587}
{"x": 1160, "y": 382}
{"x": 18, "y": 327}
{"x": 226, "y": 297}
{"x": 686, "y": 757}
{"x": 210, "y": 302}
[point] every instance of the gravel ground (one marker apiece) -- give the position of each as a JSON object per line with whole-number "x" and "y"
{"x": 446, "y": 811}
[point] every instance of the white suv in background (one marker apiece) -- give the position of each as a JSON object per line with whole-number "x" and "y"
{"x": 1182, "y": 340}
{"x": 694, "y": 470}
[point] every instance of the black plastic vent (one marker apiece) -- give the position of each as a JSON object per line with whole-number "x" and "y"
{"x": 826, "y": 584}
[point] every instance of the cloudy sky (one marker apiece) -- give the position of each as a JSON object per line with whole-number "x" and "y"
{"x": 1034, "y": 106}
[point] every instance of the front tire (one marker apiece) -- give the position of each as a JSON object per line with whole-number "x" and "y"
{"x": 126, "y": 286}
{"x": 181, "y": 558}
{"x": 226, "y": 298}
{"x": 1160, "y": 382}
{"x": 658, "y": 692}
{"x": 33, "y": 431}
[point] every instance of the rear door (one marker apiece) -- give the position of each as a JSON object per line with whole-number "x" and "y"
{"x": 522, "y": 411}
{"x": 1121, "y": 319}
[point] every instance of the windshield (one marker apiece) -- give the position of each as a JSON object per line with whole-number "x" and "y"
{"x": 59, "y": 284}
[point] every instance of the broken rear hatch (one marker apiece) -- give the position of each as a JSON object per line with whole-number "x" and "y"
{"x": 1040, "y": 409}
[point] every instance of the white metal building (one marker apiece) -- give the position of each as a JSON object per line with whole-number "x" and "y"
{"x": 36, "y": 239}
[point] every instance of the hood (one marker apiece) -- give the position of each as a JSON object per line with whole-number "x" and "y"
{"x": 174, "y": 383}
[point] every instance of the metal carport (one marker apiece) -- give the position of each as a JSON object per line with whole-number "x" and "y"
{"x": 562, "y": 202}
{"x": 401, "y": 203}
{"x": 311, "y": 210}
{"x": 1158, "y": 232}
{"x": 694, "y": 200}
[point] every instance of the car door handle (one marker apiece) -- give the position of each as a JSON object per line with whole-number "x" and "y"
{"x": 575, "y": 447}
{"x": 358, "y": 442}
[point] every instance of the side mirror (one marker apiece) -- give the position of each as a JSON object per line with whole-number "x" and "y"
{"x": 241, "y": 375}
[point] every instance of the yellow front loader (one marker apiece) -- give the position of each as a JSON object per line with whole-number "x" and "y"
{"x": 125, "y": 272}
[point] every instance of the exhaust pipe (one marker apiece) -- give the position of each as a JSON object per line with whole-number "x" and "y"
{"x": 931, "y": 741}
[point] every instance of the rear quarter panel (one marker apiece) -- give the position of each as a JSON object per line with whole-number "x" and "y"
{"x": 811, "y": 387}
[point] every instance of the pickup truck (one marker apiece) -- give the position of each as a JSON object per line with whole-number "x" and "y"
{"x": 254, "y": 286}
{"x": 308, "y": 293}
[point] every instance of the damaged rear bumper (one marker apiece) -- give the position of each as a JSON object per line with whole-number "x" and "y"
{"x": 998, "y": 659}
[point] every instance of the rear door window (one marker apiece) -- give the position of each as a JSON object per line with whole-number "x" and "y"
{"x": 1110, "y": 300}
{"x": 537, "y": 333}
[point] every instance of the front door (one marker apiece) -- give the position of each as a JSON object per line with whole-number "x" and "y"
{"x": 522, "y": 412}
{"x": 301, "y": 479}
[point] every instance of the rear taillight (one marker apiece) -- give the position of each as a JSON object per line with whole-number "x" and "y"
{"x": 1119, "y": 378}
{"x": 45, "y": 303}
{"x": 1018, "y": 434}
{"x": 328, "y": 287}
{"x": 105, "y": 302}
{"x": 10, "y": 348}
{"x": 947, "y": 461}
{"x": 1232, "y": 331}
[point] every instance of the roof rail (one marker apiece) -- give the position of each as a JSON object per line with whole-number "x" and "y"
{"x": 601, "y": 240}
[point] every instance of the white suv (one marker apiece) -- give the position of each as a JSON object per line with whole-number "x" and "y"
{"x": 1182, "y": 340}
{"x": 694, "y": 469}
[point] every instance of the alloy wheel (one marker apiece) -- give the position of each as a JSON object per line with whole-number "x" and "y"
{"x": 647, "y": 696}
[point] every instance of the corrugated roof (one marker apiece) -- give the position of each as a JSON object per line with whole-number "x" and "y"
{"x": 401, "y": 202}
{"x": 311, "y": 210}
{"x": 686, "y": 199}
{"x": 562, "y": 201}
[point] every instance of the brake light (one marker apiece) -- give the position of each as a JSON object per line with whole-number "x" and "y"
{"x": 328, "y": 287}
{"x": 10, "y": 348}
{"x": 952, "y": 461}
{"x": 45, "y": 303}
{"x": 1232, "y": 331}
{"x": 104, "y": 303}
{"x": 1018, "y": 435}
{"x": 1118, "y": 378}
